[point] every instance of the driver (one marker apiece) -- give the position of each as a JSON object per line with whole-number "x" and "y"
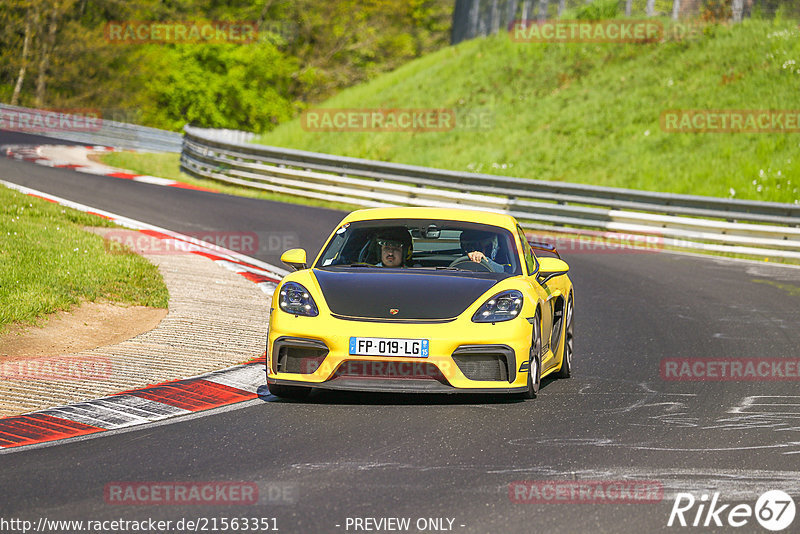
{"x": 395, "y": 245}
{"x": 481, "y": 246}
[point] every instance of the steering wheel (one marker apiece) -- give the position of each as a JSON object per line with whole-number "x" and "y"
{"x": 466, "y": 264}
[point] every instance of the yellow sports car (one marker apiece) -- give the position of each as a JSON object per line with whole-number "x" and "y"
{"x": 421, "y": 300}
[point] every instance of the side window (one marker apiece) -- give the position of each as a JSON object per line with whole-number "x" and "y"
{"x": 527, "y": 251}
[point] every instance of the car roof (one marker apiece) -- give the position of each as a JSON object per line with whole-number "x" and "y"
{"x": 447, "y": 214}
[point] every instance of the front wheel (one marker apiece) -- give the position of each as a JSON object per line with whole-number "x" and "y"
{"x": 566, "y": 357}
{"x": 289, "y": 392}
{"x": 535, "y": 359}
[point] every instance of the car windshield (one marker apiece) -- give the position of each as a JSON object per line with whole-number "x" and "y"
{"x": 422, "y": 245}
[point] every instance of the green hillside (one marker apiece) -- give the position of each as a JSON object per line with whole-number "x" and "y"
{"x": 590, "y": 113}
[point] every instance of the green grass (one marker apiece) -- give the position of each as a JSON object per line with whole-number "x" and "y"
{"x": 49, "y": 263}
{"x": 167, "y": 165}
{"x": 589, "y": 113}
{"x": 161, "y": 164}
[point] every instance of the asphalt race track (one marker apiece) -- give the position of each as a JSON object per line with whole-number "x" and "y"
{"x": 340, "y": 456}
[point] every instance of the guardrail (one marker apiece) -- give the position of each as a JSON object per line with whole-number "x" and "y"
{"x": 94, "y": 131}
{"x": 684, "y": 221}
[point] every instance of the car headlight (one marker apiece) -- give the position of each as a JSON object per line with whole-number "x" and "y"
{"x": 501, "y": 307}
{"x": 296, "y": 299}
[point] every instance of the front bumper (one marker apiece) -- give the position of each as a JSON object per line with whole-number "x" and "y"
{"x": 463, "y": 356}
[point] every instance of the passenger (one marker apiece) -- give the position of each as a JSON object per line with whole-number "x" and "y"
{"x": 480, "y": 246}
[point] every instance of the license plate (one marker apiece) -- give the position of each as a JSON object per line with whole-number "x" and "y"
{"x": 381, "y": 346}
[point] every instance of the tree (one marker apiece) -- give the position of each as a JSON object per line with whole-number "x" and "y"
{"x": 54, "y": 53}
{"x": 31, "y": 16}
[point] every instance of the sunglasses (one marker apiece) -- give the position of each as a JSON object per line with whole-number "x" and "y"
{"x": 388, "y": 243}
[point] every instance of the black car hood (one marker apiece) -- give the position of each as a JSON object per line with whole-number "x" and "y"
{"x": 373, "y": 293}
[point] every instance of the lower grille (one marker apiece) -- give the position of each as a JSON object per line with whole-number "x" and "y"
{"x": 298, "y": 355}
{"x": 481, "y": 367}
{"x": 482, "y": 362}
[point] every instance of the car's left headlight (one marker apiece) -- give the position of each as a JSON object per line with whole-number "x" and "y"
{"x": 295, "y": 299}
{"x": 501, "y": 307}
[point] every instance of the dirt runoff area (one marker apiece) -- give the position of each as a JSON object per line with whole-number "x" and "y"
{"x": 85, "y": 327}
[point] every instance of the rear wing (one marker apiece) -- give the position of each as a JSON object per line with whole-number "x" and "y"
{"x": 544, "y": 247}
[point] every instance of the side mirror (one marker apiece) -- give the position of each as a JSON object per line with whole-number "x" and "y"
{"x": 295, "y": 258}
{"x": 550, "y": 267}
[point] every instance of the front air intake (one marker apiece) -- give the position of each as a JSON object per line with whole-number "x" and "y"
{"x": 297, "y": 355}
{"x": 486, "y": 362}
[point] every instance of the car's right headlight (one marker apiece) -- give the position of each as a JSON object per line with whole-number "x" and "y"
{"x": 501, "y": 307}
{"x": 295, "y": 299}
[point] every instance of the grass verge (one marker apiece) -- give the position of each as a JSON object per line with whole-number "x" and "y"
{"x": 577, "y": 112}
{"x": 591, "y": 112}
{"x": 49, "y": 263}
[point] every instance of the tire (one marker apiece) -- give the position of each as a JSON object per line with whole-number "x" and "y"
{"x": 289, "y": 392}
{"x": 535, "y": 360}
{"x": 566, "y": 357}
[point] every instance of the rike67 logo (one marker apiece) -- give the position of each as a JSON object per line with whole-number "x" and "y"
{"x": 774, "y": 510}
